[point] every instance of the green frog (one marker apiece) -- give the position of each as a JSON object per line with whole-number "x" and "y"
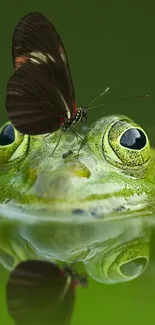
{"x": 86, "y": 201}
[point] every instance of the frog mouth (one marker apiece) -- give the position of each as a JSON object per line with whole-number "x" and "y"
{"x": 87, "y": 210}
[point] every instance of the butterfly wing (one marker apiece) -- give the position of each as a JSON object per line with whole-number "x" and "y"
{"x": 40, "y": 63}
{"x": 35, "y": 33}
{"x": 34, "y": 102}
{"x": 36, "y": 294}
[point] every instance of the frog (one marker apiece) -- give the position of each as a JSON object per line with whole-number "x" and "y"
{"x": 83, "y": 200}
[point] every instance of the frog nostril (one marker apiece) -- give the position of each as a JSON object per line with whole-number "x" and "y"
{"x": 134, "y": 267}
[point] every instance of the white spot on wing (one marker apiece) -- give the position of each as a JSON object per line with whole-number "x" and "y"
{"x": 42, "y": 57}
{"x": 34, "y": 61}
{"x": 68, "y": 282}
{"x": 62, "y": 54}
{"x": 50, "y": 57}
{"x": 67, "y": 109}
{"x": 38, "y": 55}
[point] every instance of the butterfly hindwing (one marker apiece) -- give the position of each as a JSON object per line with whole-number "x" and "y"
{"x": 34, "y": 102}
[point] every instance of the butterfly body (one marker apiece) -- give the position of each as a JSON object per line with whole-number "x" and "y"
{"x": 81, "y": 115}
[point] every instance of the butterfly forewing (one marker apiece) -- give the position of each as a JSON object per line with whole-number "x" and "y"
{"x": 36, "y": 41}
{"x": 35, "y": 33}
{"x": 39, "y": 293}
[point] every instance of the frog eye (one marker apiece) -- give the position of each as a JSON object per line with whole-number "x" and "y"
{"x": 12, "y": 143}
{"x": 7, "y": 135}
{"x": 120, "y": 263}
{"x": 125, "y": 145}
{"x": 134, "y": 139}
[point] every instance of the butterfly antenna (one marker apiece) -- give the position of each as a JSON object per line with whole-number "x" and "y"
{"x": 104, "y": 92}
{"x": 120, "y": 100}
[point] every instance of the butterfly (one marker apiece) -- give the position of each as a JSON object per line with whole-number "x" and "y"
{"x": 40, "y": 292}
{"x": 40, "y": 95}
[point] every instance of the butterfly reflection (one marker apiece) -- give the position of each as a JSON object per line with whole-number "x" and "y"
{"x": 41, "y": 293}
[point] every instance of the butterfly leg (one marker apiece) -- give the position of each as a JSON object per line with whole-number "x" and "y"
{"x": 77, "y": 134}
{"x": 57, "y": 143}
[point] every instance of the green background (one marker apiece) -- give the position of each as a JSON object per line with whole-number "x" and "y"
{"x": 108, "y": 43}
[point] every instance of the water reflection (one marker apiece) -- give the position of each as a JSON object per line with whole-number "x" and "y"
{"x": 112, "y": 250}
{"x": 39, "y": 292}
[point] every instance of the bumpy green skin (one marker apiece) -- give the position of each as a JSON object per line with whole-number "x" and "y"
{"x": 93, "y": 207}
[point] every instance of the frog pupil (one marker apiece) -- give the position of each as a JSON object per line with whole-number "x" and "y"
{"x": 7, "y": 135}
{"x": 133, "y": 139}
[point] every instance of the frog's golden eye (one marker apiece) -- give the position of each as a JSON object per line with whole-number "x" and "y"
{"x": 12, "y": 143}
{"x": 125, "y": 145}
{"x": 7, "y": 135}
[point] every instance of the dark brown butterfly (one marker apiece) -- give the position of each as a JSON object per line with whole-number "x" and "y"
{"x": 39, "y": 293}
{"x": 40, "y": 94}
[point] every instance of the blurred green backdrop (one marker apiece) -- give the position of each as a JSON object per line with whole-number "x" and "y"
{"x": 108, "y": 43}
